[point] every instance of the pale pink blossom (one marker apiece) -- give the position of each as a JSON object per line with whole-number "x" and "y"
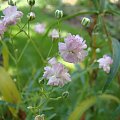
{"x": 2, "y": 28}
{"x": 55, "y": 34}
{"x": 40, "y": 28}
{"x": 56, "y": 73}
{"x": 105, "y": 63}
{"x": 73, "y": 49}
{"x": 11, "y": 15}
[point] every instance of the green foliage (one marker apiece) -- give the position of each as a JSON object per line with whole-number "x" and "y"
{"x": 89, "y": 102}
{"x": 24, "y": 64}
{"x": 116, "y": 63}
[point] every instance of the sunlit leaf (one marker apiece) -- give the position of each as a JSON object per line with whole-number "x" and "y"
{"x": 9, "y": 90}
{"x": 89, "y": 102}
{"x": 5, "y": 54}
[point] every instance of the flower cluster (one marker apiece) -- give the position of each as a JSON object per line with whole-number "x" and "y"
{"x": 11, "y": 17}
{"x": 56, "y": 73}
{"x": 105, "y": 63}
{"x": 73, "y": 50}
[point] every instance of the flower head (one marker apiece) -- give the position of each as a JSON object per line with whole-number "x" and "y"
{"x": 40, "y": 28}
{"x": 55, "y": 34}
{"x": 105, "y": 63}
{"x": 73, "y": 49}
{"x": 56, "y": 73}
{"x": 11, "y": 15}
{"x": 2, "y": 28}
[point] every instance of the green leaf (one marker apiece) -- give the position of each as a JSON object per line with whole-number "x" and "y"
{"x": 89, "y": 102}
{"x": 115, "y": 65}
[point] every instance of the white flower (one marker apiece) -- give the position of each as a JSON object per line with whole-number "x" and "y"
{"x": 55, "y": 34}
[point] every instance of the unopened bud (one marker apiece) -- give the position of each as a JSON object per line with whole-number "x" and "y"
{"x": 10, "y": 2}
{"x": 40, "y": 117}
{"x": 89, "y": 49}
{"x": 65, "y": 94}
{"x": 98, "y": 50}
{"x": 31, "y": 2}
{"x": 58, "y": 14}
{"x": 31, "y": 16}
{"x": 85, "y": 21}
{"x": 29, "y": 107}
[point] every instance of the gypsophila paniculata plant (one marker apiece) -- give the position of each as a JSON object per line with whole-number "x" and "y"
{"x": 73, "y": 49}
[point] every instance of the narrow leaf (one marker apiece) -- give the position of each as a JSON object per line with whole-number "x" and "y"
{"x": 115, "y": 65}
{"x": 5, "y": 54}
{"x": 89, "y": 102}
{"x": 9, "y": 90}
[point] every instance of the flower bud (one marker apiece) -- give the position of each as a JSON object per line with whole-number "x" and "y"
{"x": 29, "y": 107}
{"x": 10, "y": 2}
{"x": 31, "y": 2}
{"x": 85, "y": 21}
{"x": 65, "y": 94}
{"x": 40, "y": 117}
{"x": 31, "y": 16}
{"x": 89, "y": 49}
{"x": 98, "y": 50}
{"x": 58, "y": 14}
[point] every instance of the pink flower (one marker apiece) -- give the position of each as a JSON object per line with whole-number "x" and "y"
{"x": 2, "y": 28}
{"x": 11, "y": 15}
{"x": 55, "y": 34}
{"x": 56, "y": 73}
{"x": 40, "y": 28}
{"x": 73, "y": 49}
{"x": 105, "y": 63}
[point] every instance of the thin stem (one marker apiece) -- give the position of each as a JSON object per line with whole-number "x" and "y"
{"x": 50, "y": 50}
{"x": 21, "y": 29}
{"x": 107, "y": 34}
{"x": 59, "y": 29}
{"x": 16, "y": 62}
{"x": 29, "y": 28}
{"x": 35, "y": 46}
{"x": 26, "y": 45}
{"x": 29, "y": 22}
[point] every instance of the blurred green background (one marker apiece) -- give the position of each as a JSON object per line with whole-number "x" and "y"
{"x": 30, "y": 67}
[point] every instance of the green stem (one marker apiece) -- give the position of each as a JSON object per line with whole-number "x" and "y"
{"x": 107, "y": 34}
{"x": 50, "y": 50}
{"x": 16, "y": 60}
{"x": 26, "y": 45}
{"x": 35, "y": 46}
{"x": 59, "y": 30}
